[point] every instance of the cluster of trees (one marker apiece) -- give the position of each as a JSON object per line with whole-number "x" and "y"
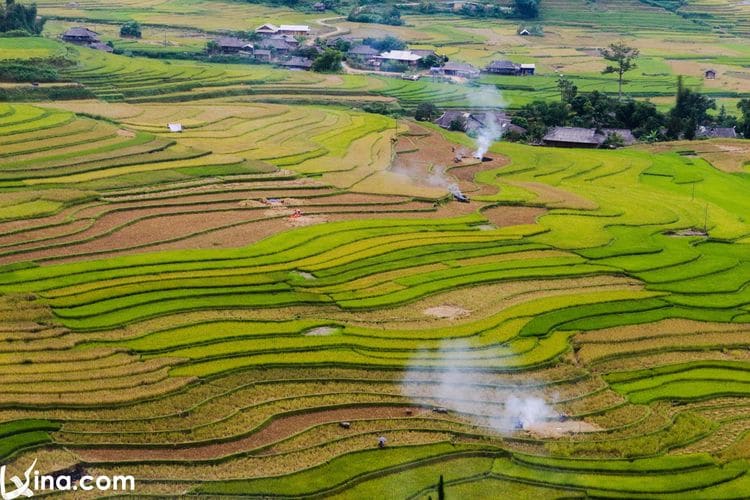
{"x": 380, "y": 14}
{"x": 521, "y": 9}
{"x": 598, "y": 110}
{"x": 131, "y": 29}
{"x": 526, "y": 9}
{"x": 328, "y": 61}
{"x": 20, "y": 18}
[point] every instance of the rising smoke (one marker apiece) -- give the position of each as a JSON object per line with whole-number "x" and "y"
{"x": 463, "y": 390}
{"x": 436, "y": 177}
{"x": 490, "y": 98}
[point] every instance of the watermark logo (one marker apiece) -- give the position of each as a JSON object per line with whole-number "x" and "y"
{"x": 22, "y": 487}
{"x": 34, "y": 482}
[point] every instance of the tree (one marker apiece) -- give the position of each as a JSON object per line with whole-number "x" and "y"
{"x": 385, "y": 44}
{"x": 212, "y": 47}
{"x": 430, "y": 61}
{"x": 458, "y": 124}
{"x": 690, "y": 110}
{"x": 527, "y": 9}
{"x": 328, "y": 62}
{"x": 131, "y": 29}
{"x": 441, "y": 488}
{"x": 568, "y": 89}
{"x": 744, "y": 107}
{"x": 306, "y": 51}
{"x": 15, "y": 16}
{"x": 426, "y": 111}
{"x": 623, "y": 58}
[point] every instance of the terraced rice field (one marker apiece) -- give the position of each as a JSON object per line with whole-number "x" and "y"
{"x": 165, "y": 313}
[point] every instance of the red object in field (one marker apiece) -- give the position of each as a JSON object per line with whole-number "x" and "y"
{"x": 297, "y": 214}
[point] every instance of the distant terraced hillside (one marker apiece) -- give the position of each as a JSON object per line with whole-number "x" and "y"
{"x": 731, "y": 16}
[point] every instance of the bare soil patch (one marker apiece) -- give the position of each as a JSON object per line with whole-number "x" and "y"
{"x": 278, "y": 429}
{"x": 446, "y": 312}
{"x": 503, "y": 216}
{"x": 422, "y": 152}
{"x": 560, "y": 429}
{"x": 321, "y": 331}
{"x": 125, "y": 133}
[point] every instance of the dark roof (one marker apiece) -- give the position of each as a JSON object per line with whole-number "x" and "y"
{"x": 79, "y": 32}
{"x": 479, "y": 119}
{"x": 423, "y": 52}
{"x": 457, "y": 66}
{"x": 286, "y": 38}
{"x": 363, "y": 50}
{"x": 231, "y": 42}
{"x": 716, "y": 132}
{"x": 297, "y": 62}
{"x": 573, "y": 135}
{"x": 587, "y": 136}
{"x": 502, "y": 64}
{"x": 277, "y": 44}
{"x": 627, "y": 135}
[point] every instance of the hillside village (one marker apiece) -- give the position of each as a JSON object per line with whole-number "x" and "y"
{"x": 298, "y": 47}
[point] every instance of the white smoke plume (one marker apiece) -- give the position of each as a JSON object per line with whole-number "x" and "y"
{"x": 436, "y": 176}
{"x": 490, "y": 98}
{"x": 464, "y": 390}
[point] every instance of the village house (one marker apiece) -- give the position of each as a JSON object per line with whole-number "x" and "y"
{"x": 577, "y": 137}
{"x": 502, "y": 67}
{"x": 262, "y": 55}
{"x": 710, "y": 74}
{"x": 474, "y": 121}
{"x": 278, "y": 46}
{"x": 402, "y": 56}
{"x": 83, "y": 36}
{"x": 289, "y": 39}
{"x": 424, "y": 53}
{"x": 363, "y": 52}
{"x": 270, "y": 29}
{"x": 298, "y": 63}
{"x": 267, "y": 29}
{"x": 319, "y": 6}
{"x": 232, "y": 45}
{"x": 704, "y": 132}
{"x": 294, "y": 29}
{"x": 363, "y": 55}
{"x": 462, "y": 70}
{"x": 527, "y": 69}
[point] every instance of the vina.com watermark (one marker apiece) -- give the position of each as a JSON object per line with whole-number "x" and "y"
{"x": 33, "y": 482}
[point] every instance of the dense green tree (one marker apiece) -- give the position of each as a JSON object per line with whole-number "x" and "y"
{"x": 131, "y": 29}
{"x": 623, "y": 58}
{"x": 527, "y": 9}
{"x": 744, "y": 107}
{"x": 458, "y": 124}
{"x": 212, "y": 47}
{"x": 431, "y": 61}
{"x": 568, "y": 90}
{"x": 690, "y": 110}
{"x": 328, "y": 62}
{"x": 15, "y": 16}
{"x": 426, "y": 111}
{"x": 385, "y": 44}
